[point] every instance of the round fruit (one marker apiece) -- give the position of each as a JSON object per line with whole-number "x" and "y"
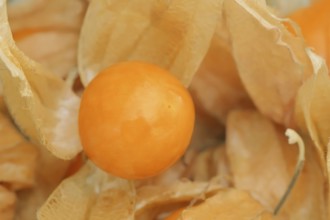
{"x": 135, "y": 120}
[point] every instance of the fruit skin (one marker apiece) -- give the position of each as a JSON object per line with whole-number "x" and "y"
{"x": 135, "y": 120}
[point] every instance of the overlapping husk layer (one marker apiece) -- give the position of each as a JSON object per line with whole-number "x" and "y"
{"x": 250, "y": 77}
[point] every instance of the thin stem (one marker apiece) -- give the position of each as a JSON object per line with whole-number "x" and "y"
{"x": 293, "y": 138}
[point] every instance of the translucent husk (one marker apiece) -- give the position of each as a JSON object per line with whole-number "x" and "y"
{"x": 42, "y": 105}
{"x": 311, "y": 110}
{"x": 265, "y": 61}
{"x": 166, "y": 33}
{"x": 153, "y": 200}
{"x": 49, "y": 173}
{"x": 272, "y": 63}
{"x": 100, "y": 196}
{"x": 46, "y": 37}
{"x": 170, "y": 36}
{"x": 97, "y": 195}
{"x": 262, "y": 162}
{"x": 314, "y": 24}
{"x": 209, "y": 163}
{"x": 18, "y": 157}
{"x": 28, "y": 171}
{"x": 224, "y": 205}
{"x": 7, "y": 204}
{"x": 328, "y": 172}
{"x": 217, "y": 87}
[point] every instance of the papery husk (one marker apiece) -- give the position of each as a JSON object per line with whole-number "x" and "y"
{"x": 46, "y": 37}
{"x": 175, "y": 172}
{"x": 19, "y": 8}
{"x": 197, "y": 166}
{"x": 230, "y": 204}
{"x": 23, "y": 167}
{"x": 208, "y": 131}
{"x": 174, "y": 35}
{"x": 314, "y": 24}
{"x": 90, "y": 194}
{"x": 328, "y": 174}
{"x": 216, "y": 87}
{"x": 7, "y": 204}
{"x": 210, "y": 163}
{"x": 272, "y": 63}
{"x": 312, "y": 107}
{"x": 101, "y": 196}
{"x": 30, "y": 170}
{"x": 3, "y": 108}
{"x": 41, "y": 104}
{"x": 18, "y": 157}
{"x": 262, "y": 162}
{"x": 45, "y": 13}
{"x": 153, "y": 200}
{"x": 49, "y": 173}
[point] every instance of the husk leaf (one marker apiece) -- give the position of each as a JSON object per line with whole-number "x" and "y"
{"x": 98, "y": 196}
{"x": 172, "y": 34}
{"x": 7, "y": 204}
{"x": 224, "y": 205}
{"x": 41, "y": 104}
{"x": 153, "y": 200}
{"x": 217, "y": 87}
{"x": 18, "y": 157}
{"x": 312, "y": 107}
{"x": 271, "y": 62}
{"x": 49, "y": 174}
{"x": 262, "y": 162}
{"x": 36, "y": 24}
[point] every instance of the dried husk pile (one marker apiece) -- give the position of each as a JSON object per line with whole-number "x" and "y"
{"x": 250, "y": 78}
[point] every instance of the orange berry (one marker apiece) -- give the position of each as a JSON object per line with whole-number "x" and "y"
{"x": 135, "y": 120}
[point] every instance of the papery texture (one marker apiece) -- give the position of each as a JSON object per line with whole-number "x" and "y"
{"x": 7, "y": 204}
{"x": 18, "y": 157}
{"x": 208, "y": 131}
{"x": 41, "y": 104}
{"x": 262, "y": 162}
{"x": 98, "y": 196}
{"x": 224, "y": 205}
{"x": 312, "y": 107}
{"x": 45, "y": 36}
{"x": 216, "y": 87}
{"x": 152, "y": 200}
{"x": 328, "y": 173}
{"x": 208, "y": 164}
{"x": 49, "y": 173}
{"x": 26, "y": 168}
{"x": 175, "y": 172}
{"x": 3, "y": 108}
{"x": 172, "y": 34}
{"x": 271, "y": 62}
